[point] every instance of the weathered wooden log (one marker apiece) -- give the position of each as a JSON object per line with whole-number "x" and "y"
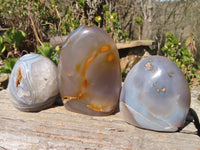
{"x": 59, "y": 41}
{"x": 136, "y": 43}
{"x": 57, "y": 128}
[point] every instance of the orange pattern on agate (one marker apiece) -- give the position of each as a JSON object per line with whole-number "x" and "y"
{"x": 82, "y": 93}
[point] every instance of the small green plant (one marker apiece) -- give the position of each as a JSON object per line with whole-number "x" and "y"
{"x": 2, "y": 46}
{"x": 139, "y": 21}
{"x": 179, "y": 54}
{"x": 8, "y": 65}
{"x": 14, "y": 37}
{"x": 105, "y": 8}
{"x": 113, "y": 26}
{"x": 98, "y": 20}
{"x": 81, "y": 3}
{"x": 124, "y": 74}
{"x": 44, "y": 19}
{"x": 10, "y": 42}
{"x": 47, "y": 50}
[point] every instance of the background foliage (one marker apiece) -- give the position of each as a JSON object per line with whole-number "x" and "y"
{"x": 27, "y": 25}
{"x": 180, "y": 54}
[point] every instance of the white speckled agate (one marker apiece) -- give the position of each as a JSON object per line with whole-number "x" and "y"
{"x": 33, "y": 83}
{"x": 89, "y": 72}
{"x": 155, "y": 95}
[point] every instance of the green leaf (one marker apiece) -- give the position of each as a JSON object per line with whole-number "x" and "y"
{"x": 193, "y": 70}
{"x": 2, "y": 47}
{"x": 53, "y": 3}
{"x": 81, "y": 3}
{"x": 46, "y": 50}
{"x": 19, "y": 36}
{"x": 105, "y": 8}
{"x": 98, "y": 19}
{"x": 76, "y": 24}
{"x": 124, "y": 36}
{"x": 108, "y": 29}
{"x": 114, "y": 18}
{"x": 4, "y": 70}
{"x": 198, "y": 76}
{"x": 108, "y": 14}
{"x": 8, "y": 36}
{"x": 122, "y": 71}
{"x": 13, "y": 36}
{"x": 178, "y": 64}
{"x": 139, "y": 20}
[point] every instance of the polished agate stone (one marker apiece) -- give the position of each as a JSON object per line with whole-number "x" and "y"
{"x": 33, "y": 84}
{"x": 155, "y": 95}
{"x": 89, "y": 72}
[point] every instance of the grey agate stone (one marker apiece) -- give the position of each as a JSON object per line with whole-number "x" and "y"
{"x": 155, "y": 95}
{"x": 33, "y": 83}
{"x": 89, "y": 72}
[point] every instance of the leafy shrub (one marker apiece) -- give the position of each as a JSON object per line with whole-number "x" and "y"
{"x": 10, "y": 42}
{"x": 35, "y": 21}
{"x": 44, "y": 19}
{"x": 8, "y": 65}
{"x": 47, "y": 50}
{"x": 113, "y": 25}
{"x": 179, "y": 54}
{"x": 14, "y": 37}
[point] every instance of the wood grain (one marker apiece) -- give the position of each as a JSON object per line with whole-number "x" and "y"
{"x": 57, "y": 128}
{"x": 136, "y": 43}
{"x": 59, "y": 41}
